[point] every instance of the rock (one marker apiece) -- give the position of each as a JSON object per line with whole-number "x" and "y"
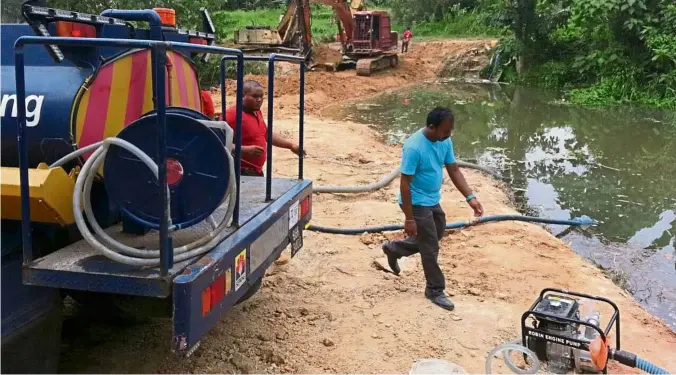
{"x": 264, "y": 336}
{"x": 474, "y": 291}
{"x": 401, "y": 288}
{"x": 456, "y": 318}
{"x": 375, "y": 336}
{"x": 277, "y": 359}
{"x": 501, "y": 296}
{"x": 328, "y": 342}
{"x": 282, "y": 336}
{"x": 367, "y": 239}
{"x": 244, "y": 364}
{"x": 283, "y": 259}
{"x": 304, "y": 311}
{"x": 329, "y": 316}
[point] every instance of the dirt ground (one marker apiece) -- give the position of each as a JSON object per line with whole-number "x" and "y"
{"x": 330, "y": 311}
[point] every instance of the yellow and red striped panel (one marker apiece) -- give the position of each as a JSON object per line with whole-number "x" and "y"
{"x": 121, "y": 92}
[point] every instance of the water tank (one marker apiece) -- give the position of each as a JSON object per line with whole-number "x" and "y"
{"x": 50, "y": 91}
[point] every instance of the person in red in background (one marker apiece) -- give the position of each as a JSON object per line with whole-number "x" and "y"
{"x": 255, "y": 131}
{"x": 207, "y": 104}
{"x": 406, "y": 38}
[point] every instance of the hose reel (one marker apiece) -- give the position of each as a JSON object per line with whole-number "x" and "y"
{"x": 197, "y": 171}
{"x": 200, "y": 179}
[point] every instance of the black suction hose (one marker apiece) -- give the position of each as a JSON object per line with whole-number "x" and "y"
{"x": 583, "y": 221}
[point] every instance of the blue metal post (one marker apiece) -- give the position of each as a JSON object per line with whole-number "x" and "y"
{"x": 271, "y": 94}
{"x": 23, "y": 158}
{"x": 149, "y": 15}
{"x": 238, "y": 134}
{"x": 159, "y": 56}
{"x": 301, "y": 115}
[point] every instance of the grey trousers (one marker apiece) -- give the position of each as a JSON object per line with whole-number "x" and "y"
{"x": 431, "y": 223}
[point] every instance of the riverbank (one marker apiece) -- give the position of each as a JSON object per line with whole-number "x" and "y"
{"x": 330, "y": 311}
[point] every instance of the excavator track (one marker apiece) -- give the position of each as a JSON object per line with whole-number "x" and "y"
{"x": 368, "y": 66}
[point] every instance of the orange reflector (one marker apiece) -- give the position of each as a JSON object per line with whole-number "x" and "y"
{"x": 206, "y": 301}
{"x": 195, "y": 40}
{"x": 167, "y": 16}
{"x": 75, "y": 30}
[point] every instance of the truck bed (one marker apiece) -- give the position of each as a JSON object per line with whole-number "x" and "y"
{"x": 79, "y": 266}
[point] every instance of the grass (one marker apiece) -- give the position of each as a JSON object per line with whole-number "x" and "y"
{"x": 324, "y": 29}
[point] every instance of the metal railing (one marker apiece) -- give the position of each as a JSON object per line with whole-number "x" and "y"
{"x": 158, "y": 58}
{"x": 271, "y": 93}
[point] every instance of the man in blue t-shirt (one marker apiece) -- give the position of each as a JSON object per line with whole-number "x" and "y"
{"x": 424, "y": 156}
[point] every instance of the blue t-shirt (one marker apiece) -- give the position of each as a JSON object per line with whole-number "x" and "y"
{"x": 425, "y": 161}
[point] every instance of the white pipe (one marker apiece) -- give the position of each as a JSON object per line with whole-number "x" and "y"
{"x": 120, "y": 252}
{"x": 387, "y": 180}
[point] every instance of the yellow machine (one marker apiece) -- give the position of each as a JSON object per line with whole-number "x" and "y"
{"x": 366, "y": 38}
{"x": 51, "y": 193}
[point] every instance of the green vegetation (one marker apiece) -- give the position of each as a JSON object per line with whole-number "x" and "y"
{"x": 602, "y": 52}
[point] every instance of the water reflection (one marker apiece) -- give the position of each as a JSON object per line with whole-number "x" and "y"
{"x": 615, "y": 165}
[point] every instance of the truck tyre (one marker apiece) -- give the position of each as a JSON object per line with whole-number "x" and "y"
{"x": 251, "y": 292}
{"x": 129, "y": 309}
{"x": 36, "y": 347}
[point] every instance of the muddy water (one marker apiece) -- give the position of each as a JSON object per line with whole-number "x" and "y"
{"x": 617, "y": 166}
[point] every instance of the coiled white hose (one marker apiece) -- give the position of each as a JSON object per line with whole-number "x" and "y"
{"x": 506, "y": 349}
{"x": 118, "y": 251}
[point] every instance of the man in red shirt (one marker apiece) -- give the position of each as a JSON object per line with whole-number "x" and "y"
{"x": 207, "y": 104}
{"x": 406, "y": 38}
{"x": 255, "y": 131}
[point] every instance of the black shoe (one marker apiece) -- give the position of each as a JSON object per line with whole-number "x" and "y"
{"x": 442, "y": 301}
{"x": 391, "y": 260}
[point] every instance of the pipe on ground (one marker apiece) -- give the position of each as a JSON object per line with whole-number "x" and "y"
{"x": 388, "y": 179}
{"x": 583, "y": 221}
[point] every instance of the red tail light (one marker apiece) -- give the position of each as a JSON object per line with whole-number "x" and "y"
{"x": 305, "y": 205}
{"x": 75, "y": 30}
{"x": 214, "y": 293}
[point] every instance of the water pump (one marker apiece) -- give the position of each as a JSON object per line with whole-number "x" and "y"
{"x": 560, "y": 336}
{"x": 567, "y": 338}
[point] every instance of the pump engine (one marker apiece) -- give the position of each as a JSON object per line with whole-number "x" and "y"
{"x": 560, "y": 336}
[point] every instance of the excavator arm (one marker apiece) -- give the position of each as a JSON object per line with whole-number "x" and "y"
{"x": 343, "y": 12}
{"x": 299, "y": 10}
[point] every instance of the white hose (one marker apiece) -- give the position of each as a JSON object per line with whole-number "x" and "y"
{"x": 114, "y": 249}
{"x": 387, "y": 180}
{"x": 507, "y": 349}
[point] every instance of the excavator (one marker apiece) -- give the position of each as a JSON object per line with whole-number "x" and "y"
{"x": 367, "y": 40}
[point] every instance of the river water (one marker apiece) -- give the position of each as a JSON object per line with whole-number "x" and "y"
{"x": 616, "y": 165}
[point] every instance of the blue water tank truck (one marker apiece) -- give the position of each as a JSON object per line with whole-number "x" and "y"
{"x": 117, "y": 190}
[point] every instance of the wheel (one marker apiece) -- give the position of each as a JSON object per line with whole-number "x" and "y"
{"x": 251, "y": 292}
{"x": 36, "y": 347}
{"x": 130, "y": 309}
{"x": 394, "y": 61}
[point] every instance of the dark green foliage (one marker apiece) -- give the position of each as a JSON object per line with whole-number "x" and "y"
{"x": 601, "y": 51}
{"x": 604, "y": 51}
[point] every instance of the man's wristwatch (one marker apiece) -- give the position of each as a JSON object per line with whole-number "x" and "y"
{"x": 470, "y": 197}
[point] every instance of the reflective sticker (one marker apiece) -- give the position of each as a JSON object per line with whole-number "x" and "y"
{"x": 228, "y": 281}
{"x": 293, "y": 214}
{"x": 240, "y": 270}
